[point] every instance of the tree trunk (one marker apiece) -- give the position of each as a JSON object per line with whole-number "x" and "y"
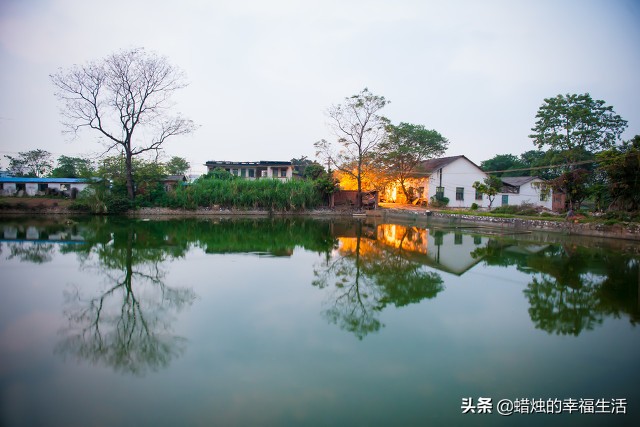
{"x": 129, "y": 173}
{"x": 405, "y": 191}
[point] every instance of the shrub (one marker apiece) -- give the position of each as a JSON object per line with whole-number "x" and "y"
{"x": 439, "y": 202}
{"x": 474, "y": 206}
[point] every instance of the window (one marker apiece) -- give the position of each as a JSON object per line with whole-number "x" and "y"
{"x": 263, "y": 173}
{"x": 459, "y": 193}
{"x": 505, "y": 199}
{"x": 43, "y": 187}
{"x": 439, "y": 192}
{"x": 243, "y": 172}
{"x": 478, "y": 195}
{"x": 457, "y": 239}
{"x": 234, "y": 172}
{"x": 283, "y": 172}
{"x": 251, "y": 173}
{"x": 544, "y": 197}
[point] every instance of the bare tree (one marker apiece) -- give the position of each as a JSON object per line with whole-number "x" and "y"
{"x": 126, "y": 93}
{"x": 359, "y": 129}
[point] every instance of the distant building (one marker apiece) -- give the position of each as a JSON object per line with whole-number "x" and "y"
{"x": 523, "y": 189}
{"x": 22, "y": 186}
{"x": 255, "y": 170}
{"x": 171, "y": 182}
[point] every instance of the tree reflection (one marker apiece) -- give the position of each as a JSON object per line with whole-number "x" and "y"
{"x": 126, "y": 325}
{"x": 574, "y": 289}
{"x": 37, "y": 253}
{"x": 364, "y": 275}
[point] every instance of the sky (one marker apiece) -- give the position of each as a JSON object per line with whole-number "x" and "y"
{"x": 262, "y": 74}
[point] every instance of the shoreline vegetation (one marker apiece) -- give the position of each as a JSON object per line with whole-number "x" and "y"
{"x": 587, "y": 226}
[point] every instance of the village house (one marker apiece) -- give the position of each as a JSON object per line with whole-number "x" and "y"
{"x": 517, "y": 190}
{"x": 23, "y": 186}
{"x": 171, "y": 182}
{"x": 450, "y": 177}
{"x": 282, "y": 170}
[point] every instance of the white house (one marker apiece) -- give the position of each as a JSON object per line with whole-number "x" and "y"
{"x": 450, "y": 177}
{"x": 21, "y": 186}
{"x": 255, "y": 170}
{"x": 522, "y": 189}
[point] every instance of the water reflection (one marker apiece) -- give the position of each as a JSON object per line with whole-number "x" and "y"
{"x": 127, "y": 323}
{"x": 573, "y": 287}
{"x": 364, "y": 267}
{"x": 372, "y": 269}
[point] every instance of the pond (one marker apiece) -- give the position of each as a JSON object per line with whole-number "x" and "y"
{"x": 303, "y": 322}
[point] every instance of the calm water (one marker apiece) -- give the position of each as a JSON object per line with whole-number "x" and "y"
{"x": 299, "y": 322}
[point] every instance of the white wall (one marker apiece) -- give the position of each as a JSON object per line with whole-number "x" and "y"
{"x": 459, "y": 173}
{"x": 528, "y": 194}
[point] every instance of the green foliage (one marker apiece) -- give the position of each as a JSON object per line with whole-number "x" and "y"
{"x": 474, "y": 206}
{"x": 526, "y": 209}
{"x": 622, "y": 167}
{"x": 573, "y": 124}
{"x": 270, "y": 194}
{"x": 73, "y": 167}
{"x": 490, "y": 187}
{"x": 98, "y": 198}
{"x": 146, "y": 174}
{"x": 405, "y": 147}
{"x": 221, "y": 174}
{"x": 33, "y": 163}
{"x": 177, "y": 166}
{"x": 574, "y": 185}
{"x": 438, "y": 201}
{"x": 504, "y": 162}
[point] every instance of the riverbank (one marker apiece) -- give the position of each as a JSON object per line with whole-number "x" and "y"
{"x": 621, "y": 230}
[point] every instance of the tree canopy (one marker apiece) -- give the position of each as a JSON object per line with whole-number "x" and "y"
{"x": 405, "y": 147}
{"x": 32, "y": 163}
{"x": 359, "y": 128}
{"x": 622, "y": 166}
{"x": 125, "y": 98}
{"x": 72, "y": 167}
{"x": 573, "y": 124}
{"x": 177, "y": 166}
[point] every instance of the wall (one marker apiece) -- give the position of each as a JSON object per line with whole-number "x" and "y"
{"x": 528, "y": 194}
{"x": 459, "y": 173}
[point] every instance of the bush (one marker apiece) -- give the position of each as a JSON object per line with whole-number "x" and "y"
{"x": 80, "y": 206}
{"x": 439, "y": 202}
{"x": 474, "y": 206}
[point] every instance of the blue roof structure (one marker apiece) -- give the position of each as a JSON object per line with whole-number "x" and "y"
{"x": 19, "y": 179}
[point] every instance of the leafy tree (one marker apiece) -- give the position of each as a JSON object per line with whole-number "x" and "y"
{"x": 622, "y": 167}
{"x": 490, "y": 187}
{"x": 325, "y": 183}
{"x": 573, "y": 124}
{"x": 576, "y": 127}
{"x": 500, "y": 163}
{"x": 177, "y": 166}
{"x": 72, "y": 167}
{"x": 125, "y": 94}
{"x": 406, "y": 146}
{"x": 360, "y": 129}
{"x": 33, "y": 163}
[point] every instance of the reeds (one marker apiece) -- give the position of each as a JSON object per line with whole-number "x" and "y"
{"x": 266, "y": 193}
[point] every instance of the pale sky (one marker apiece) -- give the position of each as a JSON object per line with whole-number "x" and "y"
{"x": 263, "y": 73}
